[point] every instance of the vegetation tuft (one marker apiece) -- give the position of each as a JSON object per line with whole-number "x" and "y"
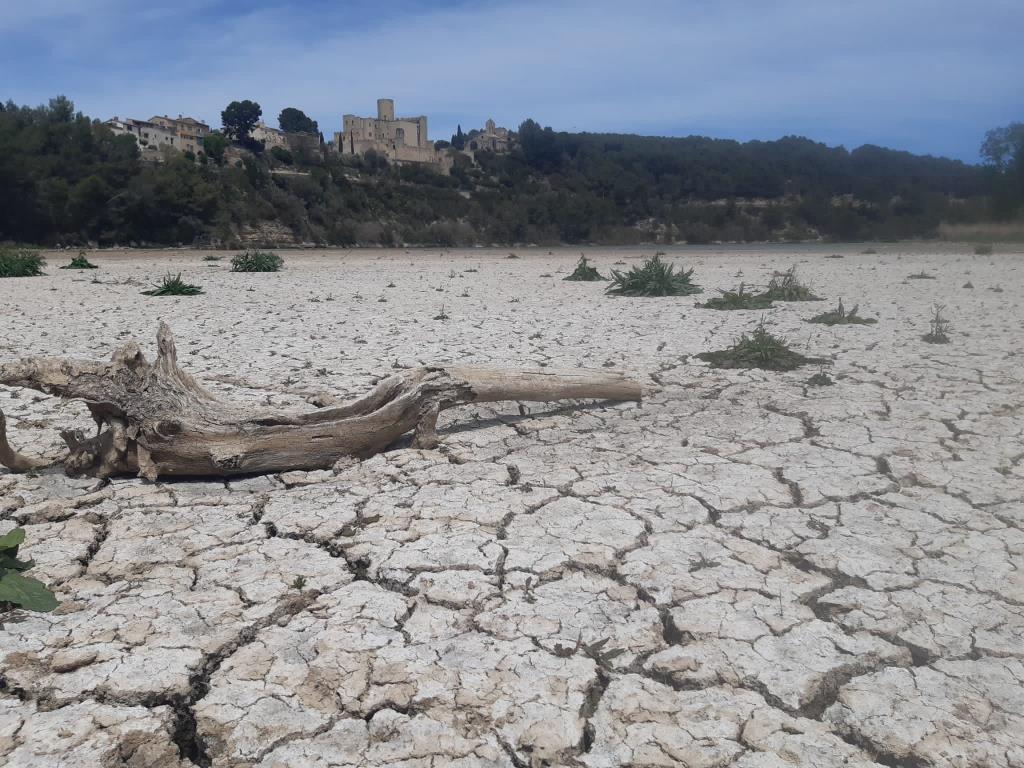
{"x": 786, "y": 286}
{"x": 256, "y": 261}
{"x": 19, "y": 262}
{"x": 983, "y": 250}
{"x": 761, "y": 349}
{"x": 212, "y": 257}
{"x": 820, "y": 379}
{"x": 841, "y": 316}
{"x": 922, "y": 275}
{"x": 653, "y": 278}
{"x": 584, "y": 272}
{"x": 16, "y": 589}
{"x": 173, "y": 285}
{"x": 80, "y": 262}
{"x": 738, "y": 299}
{"x": 938, "y": 327}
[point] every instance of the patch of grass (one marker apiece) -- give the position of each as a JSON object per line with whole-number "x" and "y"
{"x": 869, "y": 251}
{"x": 938, "y": 327}
{"x": 760, "y": 349}
{"x": 922, "y": 275}
{"x": 584, "y": 272}
{"x": 841, "y": 316}
{"x": 256, "y": 261}
{"x": 16, "y": 589}
{"x": 173, "y": 285}
{"x": 653, "y": 278}
{"x": 512, "y": 256}
{"x": 984, "y": 249}
{"x": 786, "y": 286}
{"x": 80, "y": 262}
{"x": 20, "y": 262}
{"x": 835, "y": 256}
{"x": 442, "y": 315}
{"x": 212, "y": 257}
{"x": 738, "y": 299}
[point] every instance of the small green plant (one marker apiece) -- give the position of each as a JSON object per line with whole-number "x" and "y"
{"x": 80, "y": 262}
{"x": 173, "y": 285}
{"x": 741, "y": 298}
{"x": 938, "y": 327}
{"x": 583, "y": 272}
{"x": 256, "y": 261}
{"x": 786, "y": 286}
{"x": 212, "y": 257}
{"x": 653, "y": 278}
{"x": 16, "y": 589}
{"x": 841, "y": 316}
{"x": 984, "y": 249}
{"x": 19, "y": 262}
{"x": 442, "y": 315}
{"x": 761, "y": 349}
{"x": 922, "y": 275}
{"x": 299, "y": 582}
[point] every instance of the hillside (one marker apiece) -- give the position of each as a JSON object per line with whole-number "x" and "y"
{"x": 66, "y": 179}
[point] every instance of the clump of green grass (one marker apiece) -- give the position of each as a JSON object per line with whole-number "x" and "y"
{"x": 20, "y": 262}
{"x": 786, "y": 286}
{"x": 741, "y": 298}
{"x": 938, "y": 327}
{"x": 16, "y": 589}
{"x": 760, "y": 349}
{"x": 173, "y": 285}
{"x": 984, "y": 249}
{"x": 653, "y": 278}
{"x": 922, "y": 275}
{"x": 584, "y": 272}
{"x": 80, "y": 262}
{"x": 842, "y": 316}
{"x": 256, "y": 261}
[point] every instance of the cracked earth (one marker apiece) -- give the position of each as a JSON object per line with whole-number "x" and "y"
{"x": 744, "y": 571}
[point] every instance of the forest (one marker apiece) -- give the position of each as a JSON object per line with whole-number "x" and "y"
{"x": 66, "y": 179}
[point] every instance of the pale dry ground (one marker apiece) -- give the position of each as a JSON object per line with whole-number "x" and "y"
{"x": 744, "y": 571}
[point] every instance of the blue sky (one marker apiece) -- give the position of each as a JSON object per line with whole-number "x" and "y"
{"x": 930, "y": 76}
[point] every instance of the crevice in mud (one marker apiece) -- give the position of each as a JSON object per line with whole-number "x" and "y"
{"x": 591, "y": 701}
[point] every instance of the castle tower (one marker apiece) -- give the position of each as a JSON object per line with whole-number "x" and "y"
{"x": 385, "y": 109}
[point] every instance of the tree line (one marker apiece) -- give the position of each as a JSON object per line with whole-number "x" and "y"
{"x": 67, "y": 179}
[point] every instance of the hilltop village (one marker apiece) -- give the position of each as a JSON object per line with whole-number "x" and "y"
{"x": 401, "y": 140}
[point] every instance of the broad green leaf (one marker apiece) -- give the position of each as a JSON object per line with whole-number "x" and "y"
{"x": 29, "y": 593}
{"x": 12, "y": 539}
{"x": 10, "y": 562}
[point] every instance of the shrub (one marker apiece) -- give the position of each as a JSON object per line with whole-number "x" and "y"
{"x": 212, "y": 257}
{"x": 761, "y": 349}
{"x": 18, "y": 262}
{"x": 922, "y": 275}
{"x": 256, "y": 261}
{"x": 869, "y": 252}
{"x": 653, "y": 278}
{"x": 738, "y": 299}
{"x": 16, "y": 589}
{"x": 820, "y": 379}
{"x": 983, "y": 250}
{"x": 786, "y": 286}
{"x": 584, "y": 272}
{"x": 841, "y": 316}
{"x": 173, "y": 285}
{"x": 80, "y": 262}
{"x": 938, "y": 327}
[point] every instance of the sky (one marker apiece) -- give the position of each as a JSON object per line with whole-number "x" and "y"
{"x": 929, "y": 76}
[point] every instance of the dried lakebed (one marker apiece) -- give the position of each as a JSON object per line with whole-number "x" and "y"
{"x": 746, "y": 570}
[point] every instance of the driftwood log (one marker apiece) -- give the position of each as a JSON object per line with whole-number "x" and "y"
{"x": 153, "y": 419}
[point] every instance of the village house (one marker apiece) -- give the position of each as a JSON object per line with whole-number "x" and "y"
{"x": 271, "y": 137}
{"x": 490, "y": 138}
{"x": 402, "y": 139}
{"x": 185, "y": 134}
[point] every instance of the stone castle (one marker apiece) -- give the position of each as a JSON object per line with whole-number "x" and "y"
{"x": 402, "y": 139}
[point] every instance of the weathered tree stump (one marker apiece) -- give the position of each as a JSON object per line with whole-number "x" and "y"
{"x": 155, "y": 420}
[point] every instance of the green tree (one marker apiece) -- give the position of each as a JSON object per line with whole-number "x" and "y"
{"x": 239, "y": 118}
{"x": 1003, "y": 151}
{"x": 292, "y": 120}
{"x": 214, "y": 145}
{"x": 459, "y": 139}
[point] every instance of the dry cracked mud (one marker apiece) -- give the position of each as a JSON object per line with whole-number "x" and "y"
{"x": 744, "y": 571}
